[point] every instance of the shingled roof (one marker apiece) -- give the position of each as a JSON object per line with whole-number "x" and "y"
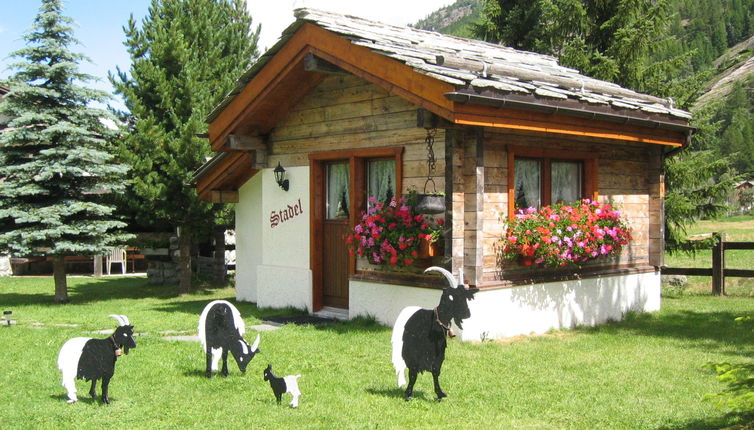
{"x": 481, "y": 72}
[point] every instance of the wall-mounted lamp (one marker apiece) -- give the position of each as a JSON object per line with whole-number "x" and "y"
{"x": 280, "y": 177}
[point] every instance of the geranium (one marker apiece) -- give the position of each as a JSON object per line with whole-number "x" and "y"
{"x": 390, "y": 233}
{"x": 565, "y": 234}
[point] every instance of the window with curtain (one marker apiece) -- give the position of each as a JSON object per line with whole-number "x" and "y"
{"x": 528, "y": 183}
{"x": 543, "y": 181}
{"x": 380, "y": 180}
{"x": 566, "y": 181}
{"x": 338, "y": 178}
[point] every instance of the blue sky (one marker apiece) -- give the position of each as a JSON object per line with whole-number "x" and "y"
{"x": 100, "y": 25}
{"x": 99, "y": 29}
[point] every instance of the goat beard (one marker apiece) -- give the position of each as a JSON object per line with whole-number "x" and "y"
{"x": 125, "y": 349}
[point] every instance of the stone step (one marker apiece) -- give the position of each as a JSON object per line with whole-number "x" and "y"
{"x": 332, "y": 313}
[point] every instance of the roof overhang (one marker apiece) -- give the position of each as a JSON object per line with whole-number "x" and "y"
{"x": 220, "y": 177}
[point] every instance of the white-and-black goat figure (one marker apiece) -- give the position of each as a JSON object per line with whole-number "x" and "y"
{"x": 287, "y": 384}
{"x": 221, "y": 329}
{"x": 419, "y": 335}
{"x": 93, "y": 359}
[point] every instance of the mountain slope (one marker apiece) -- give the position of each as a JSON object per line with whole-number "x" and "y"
{"x": 735, "y": 65}
{"x": 454, "y": 19}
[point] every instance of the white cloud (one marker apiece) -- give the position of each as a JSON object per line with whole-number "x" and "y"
{"x": 276, "y": 15}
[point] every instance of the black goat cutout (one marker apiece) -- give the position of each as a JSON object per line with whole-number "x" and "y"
{"x": 419, "y": 335}
{"x": 221, "y": 330}
{"x": 288, "y": 384}
{"x": 94, "y": 359}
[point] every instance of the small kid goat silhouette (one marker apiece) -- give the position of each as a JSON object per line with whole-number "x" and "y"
{"x": 288, "y": 384}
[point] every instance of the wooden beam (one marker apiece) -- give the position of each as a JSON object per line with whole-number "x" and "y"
{"x": 427, "y": 119}
{"x": 514, "y": 119}
{"x": 312, "y": 63}
{"x": 245, "y": 143}
{"x": 223, "y": 196}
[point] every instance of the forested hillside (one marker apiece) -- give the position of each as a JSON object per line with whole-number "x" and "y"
{"x": 456, "y": 19}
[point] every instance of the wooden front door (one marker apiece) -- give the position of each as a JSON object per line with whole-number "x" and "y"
{"x": 340, "y": 183}
{"x": 337, "y": 198}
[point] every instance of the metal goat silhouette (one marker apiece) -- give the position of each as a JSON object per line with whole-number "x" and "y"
{"x": 221, "y": 329}
{"x": 288, "y": 384}
{"x": 419, "y": 335}
{"x": 93, "y": 359}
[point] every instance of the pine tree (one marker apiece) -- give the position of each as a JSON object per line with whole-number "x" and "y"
{"x": 56, "y": 167}
{"x": 186, "y": 56}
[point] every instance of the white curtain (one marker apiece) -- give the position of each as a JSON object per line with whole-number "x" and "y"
{"x": 381, "y": 180}
{"x": 337, "y": 191}
{"x": 528, "y": 183}
{"x": 566, "y": 181}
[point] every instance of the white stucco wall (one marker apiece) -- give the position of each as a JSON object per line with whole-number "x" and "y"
{"x": 248, "y": 233}
{"x": 527, "y": 309}
{"x": 283, "y": 286}
{"x": 272, "y": 244}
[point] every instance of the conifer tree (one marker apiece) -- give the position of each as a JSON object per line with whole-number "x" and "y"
{"x": 56, "y": 166}
{"x": 186, "y": 55}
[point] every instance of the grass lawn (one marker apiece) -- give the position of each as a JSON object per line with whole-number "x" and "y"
{"x": 643, "y": 373}
{"x": 737, "y": 229}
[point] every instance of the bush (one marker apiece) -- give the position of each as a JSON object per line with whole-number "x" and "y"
{"x": 738, "y": 396}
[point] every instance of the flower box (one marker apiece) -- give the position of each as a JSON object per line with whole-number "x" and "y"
{"x": 564, "y": 235}
{"x": 429, "y": 248}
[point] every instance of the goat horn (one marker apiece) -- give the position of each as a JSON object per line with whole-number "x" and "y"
{"x": 118, "y": 318}
{"x": 448, "y": 275}
{"x": 255, "y": 346}
{"x": 125, "y": 318}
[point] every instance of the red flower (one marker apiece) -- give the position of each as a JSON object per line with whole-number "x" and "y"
{"x": 389, "y": 233}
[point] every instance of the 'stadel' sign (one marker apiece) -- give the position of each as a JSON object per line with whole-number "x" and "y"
{"x": 287, "y": 214}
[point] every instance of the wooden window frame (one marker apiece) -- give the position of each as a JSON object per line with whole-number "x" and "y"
{"x": 588, "y": 159}
{"x": 357, "y": 159}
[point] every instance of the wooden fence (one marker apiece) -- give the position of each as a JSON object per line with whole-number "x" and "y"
{"x": 718, "y": 272}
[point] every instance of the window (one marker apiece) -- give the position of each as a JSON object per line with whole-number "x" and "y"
{"x": 338, "y": 196}
{"x": 538, "y": 177}
{"x": 566, "y": 182}
{"x": 380, "y": 180}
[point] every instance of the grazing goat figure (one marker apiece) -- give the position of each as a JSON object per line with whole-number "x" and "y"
{"x": 288, "y": 384}
{"x": 221, "y": 329}
{"x": 419, "y": 334}
{"x": 93, "y": 359}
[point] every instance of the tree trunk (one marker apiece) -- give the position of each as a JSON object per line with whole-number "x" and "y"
{"x": 61, "y": 283}
{"x": 218, "y": 265}
{"x": 184, "y": 261}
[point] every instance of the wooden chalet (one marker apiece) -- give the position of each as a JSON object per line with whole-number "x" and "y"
{"x": 344, "y": 106}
